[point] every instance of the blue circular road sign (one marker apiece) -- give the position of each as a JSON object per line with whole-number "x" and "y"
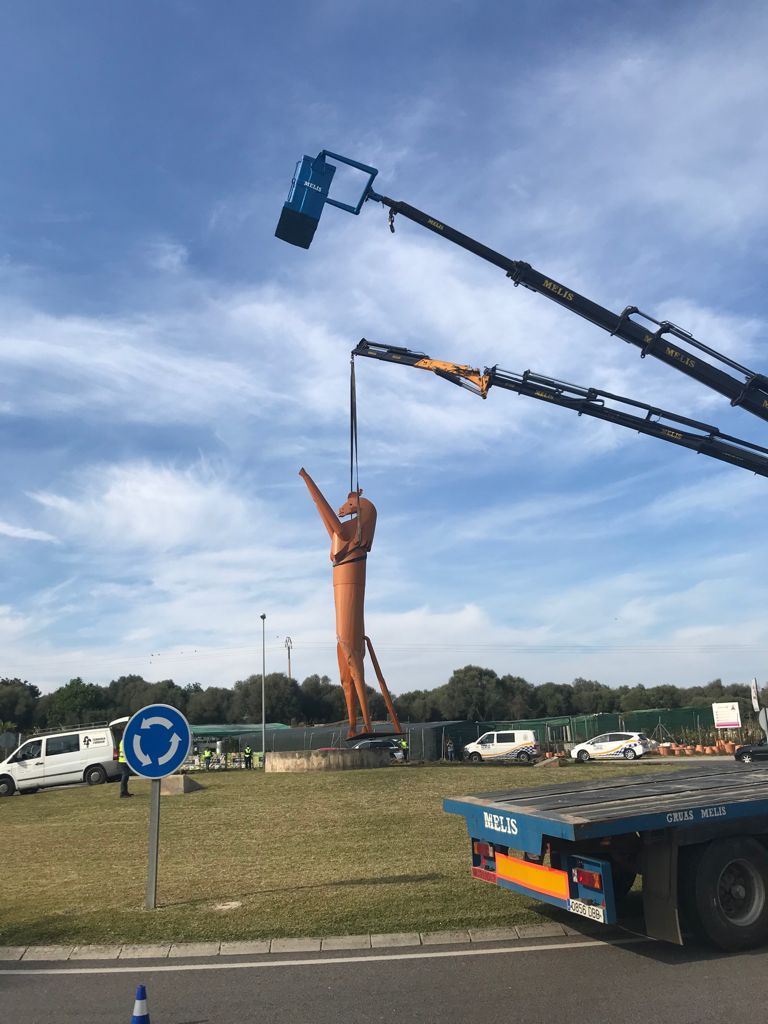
{"x": 156, "y": 741}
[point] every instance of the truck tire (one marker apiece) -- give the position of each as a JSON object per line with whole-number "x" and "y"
{"x": 724, "y": 890}
{"x": 95, "y": 775}
{"x": 475, "y": 757}
{"x": 583, "y": 756}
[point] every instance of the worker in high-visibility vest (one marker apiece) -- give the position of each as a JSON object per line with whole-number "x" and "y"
{"x": 248, "y": 752}
{"x": 207, "y": 755}
{"x": 125, "y": 771}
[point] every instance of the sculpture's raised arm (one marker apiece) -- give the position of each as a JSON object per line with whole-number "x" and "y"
{"x": 331, "y": 521}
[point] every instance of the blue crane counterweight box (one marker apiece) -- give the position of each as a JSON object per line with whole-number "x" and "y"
{"x": 301, "y": 211}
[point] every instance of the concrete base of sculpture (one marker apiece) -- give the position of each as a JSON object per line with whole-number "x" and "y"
{"x": 325, "y": 760}
{"x": 177, "y": 785}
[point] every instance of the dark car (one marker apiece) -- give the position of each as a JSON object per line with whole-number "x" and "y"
{"x": 393, "y": 746}
{"x": 752, "y": 752}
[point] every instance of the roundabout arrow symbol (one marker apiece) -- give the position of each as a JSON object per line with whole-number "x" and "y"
{"x": 145, "y": 760}
{"x": 175, "y": 741}
{"x": 147, "y": 723}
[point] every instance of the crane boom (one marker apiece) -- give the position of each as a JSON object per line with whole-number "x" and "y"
{"x": 658, "y": 338}
{"x": 667, "y": 426}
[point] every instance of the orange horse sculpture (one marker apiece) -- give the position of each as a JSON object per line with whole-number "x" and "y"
{"x": 350, "y": 543}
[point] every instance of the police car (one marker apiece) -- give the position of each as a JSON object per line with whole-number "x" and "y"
{"x": 613, "y": 746}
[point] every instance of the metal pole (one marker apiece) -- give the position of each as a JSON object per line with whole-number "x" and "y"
{"x": 154, "y": 844}
{"x": 288, "y": 645}
{"x": 263, "y": 685}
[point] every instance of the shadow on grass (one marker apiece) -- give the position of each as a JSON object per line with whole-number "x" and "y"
{"x": 289, "y": 887}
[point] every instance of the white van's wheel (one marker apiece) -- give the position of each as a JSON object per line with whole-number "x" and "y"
{"x": 475, "y": 757}
{"x": 524, "y": 757}
{"x": 7, "y": 785}
{"x": 95, "y": 775}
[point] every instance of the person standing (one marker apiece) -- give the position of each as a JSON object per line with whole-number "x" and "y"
{"x": 248, "y": 752}
{"x": 125, "y": 771}
{"x": 450, "y": 750}
{"x": 404, "y": 747}
{"x": 207, "y": 755}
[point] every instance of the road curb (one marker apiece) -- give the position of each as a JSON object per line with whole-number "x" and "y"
{"x": 281, "y": 946}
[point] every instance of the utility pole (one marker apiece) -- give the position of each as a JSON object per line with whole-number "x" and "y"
{"x": 288, "y": 646}
{"x": 263, "y": 686}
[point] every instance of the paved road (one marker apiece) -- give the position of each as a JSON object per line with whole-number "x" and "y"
{"x": 572, "y": 979}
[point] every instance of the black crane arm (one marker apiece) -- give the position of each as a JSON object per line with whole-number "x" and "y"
{"x": 660, "y": 339}
{"x": 668, "y": 426}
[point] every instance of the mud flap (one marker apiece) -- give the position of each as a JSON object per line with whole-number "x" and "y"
{"x": 659, "y": 867}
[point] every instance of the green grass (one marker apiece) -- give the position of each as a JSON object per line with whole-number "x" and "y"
{"x": 320, "y": 854}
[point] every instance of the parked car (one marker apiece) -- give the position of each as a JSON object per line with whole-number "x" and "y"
{"x": 613, "y": 745}
{"x": 75, "y": 755}
{"x": 752, "y": 752}
{"x": 520, "y": 745}
{"x": 385, "y": 743}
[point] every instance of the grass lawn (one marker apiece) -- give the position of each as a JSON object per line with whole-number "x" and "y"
{"x": 317, "y": 854}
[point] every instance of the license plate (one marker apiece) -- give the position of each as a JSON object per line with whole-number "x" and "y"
{"x": 585, "y": 910}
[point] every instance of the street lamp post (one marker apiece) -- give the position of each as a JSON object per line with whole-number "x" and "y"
{"x": 288, "y": 646}
{"x": 263, "y": 687}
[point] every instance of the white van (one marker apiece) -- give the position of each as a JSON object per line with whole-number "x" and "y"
{"x": 83, "y": 754}
{"x": 520, "y": 745}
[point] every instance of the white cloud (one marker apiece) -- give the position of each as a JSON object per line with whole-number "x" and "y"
{"x": 25, "y": 533}
{"x": 167, "y": 256}
{"x": 150, "y": 507}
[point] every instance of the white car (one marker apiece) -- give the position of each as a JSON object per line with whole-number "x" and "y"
{"x": 612, "y": 745}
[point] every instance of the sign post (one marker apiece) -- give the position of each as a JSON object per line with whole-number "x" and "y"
{"x": 156, "y": 742}
{"x": 755, "y": 694}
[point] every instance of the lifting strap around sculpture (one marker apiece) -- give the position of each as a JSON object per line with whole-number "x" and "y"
{"x": 354, "y": 474}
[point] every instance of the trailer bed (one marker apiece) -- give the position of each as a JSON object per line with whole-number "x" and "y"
{"x": 589, "y": 809}
{"x": 585, "y": 841}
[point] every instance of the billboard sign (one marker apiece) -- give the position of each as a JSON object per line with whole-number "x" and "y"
{"x": 727, "y": 715}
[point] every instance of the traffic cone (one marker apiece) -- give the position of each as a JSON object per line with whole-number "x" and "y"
{"x": 140, "y": 1011}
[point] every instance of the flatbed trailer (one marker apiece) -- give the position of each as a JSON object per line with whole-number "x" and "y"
{"x": 698, "y": 836}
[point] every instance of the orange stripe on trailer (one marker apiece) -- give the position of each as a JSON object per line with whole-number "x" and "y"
{"x": 537, "y": 877}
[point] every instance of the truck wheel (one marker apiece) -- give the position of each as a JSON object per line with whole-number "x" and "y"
{"x": 630, "y": 754}
{"x": 583, "y": 756}
{"x": 7, "y": 785}
{"x": 95, "y": 775}
{"x": 475, "y": 757}
{"x": 726, "y": 892}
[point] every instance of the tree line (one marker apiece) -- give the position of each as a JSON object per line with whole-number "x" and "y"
{"x": 472, "y": 693}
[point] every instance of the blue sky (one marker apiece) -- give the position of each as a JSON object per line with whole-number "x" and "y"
{"x": 167, "y": 365}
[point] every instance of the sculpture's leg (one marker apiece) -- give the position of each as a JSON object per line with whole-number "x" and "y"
{"x": 348, "y": 686}
{"x": 355, "y": 663}
{"x": 383, "y": 686}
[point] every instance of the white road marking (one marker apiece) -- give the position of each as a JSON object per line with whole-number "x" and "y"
{"x": 331, "y": 961}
